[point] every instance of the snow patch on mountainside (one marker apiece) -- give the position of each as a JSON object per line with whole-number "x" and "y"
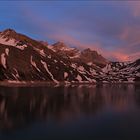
{"x": 89, "y": 63}
{"x": 51, "y": 48}
{"x": 55, "y": 61}
{"x": 81, "y": 69}
{"x": 79, "y": 78}
{"x": 77, "y": 55}
{"x": 49, "y": 56}
{"x": 131, "y": 79}
{"x": 12, "y": 42}
{"x": 41, "y": 52}
{"x": 92, "y": 71}
{"x": 89, "y": 79}
{"x": 65, "y": 74}
{"x": 7, "y": 51}
{"x": 3, "y": 60}
{"x": 73, "y": 65}
{"x": 34, "y": 64}
{"x": 107, "y": 68}
{"x": 21, "y": 47}
{"x": 17, "y": 75}
{"x": 46, "y": 68}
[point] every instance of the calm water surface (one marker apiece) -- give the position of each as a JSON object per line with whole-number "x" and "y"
{"x": 78, "y": 112}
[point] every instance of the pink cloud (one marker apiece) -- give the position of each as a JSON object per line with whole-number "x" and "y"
{"x": 130, "y": 35}
{"x": 135, "y": 7}
{"x": 125, "y": 33}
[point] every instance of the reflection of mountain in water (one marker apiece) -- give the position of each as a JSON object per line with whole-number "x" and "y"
{"x": 22, "y": 106}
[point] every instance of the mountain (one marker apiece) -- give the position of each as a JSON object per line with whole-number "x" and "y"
{"x": 121, "y": 72}
{"x": 87, "y": 56}
{"x": 25, "y": 59}
{"x": 106, "y": 71}
{"x": 92, "y": 57}
{"x": 64, "y": 50}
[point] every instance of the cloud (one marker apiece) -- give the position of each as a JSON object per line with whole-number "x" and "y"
{"x": 111, "y": 28}
{"x": 134, "y": 7}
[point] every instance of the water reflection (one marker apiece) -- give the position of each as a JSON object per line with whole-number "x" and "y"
{"x": 20, "y": 107}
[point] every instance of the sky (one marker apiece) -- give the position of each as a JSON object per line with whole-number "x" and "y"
{"x": 110, "y": 27}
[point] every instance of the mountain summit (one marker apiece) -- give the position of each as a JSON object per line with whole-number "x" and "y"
{"x": 60, "y": 46}
{"x": 9, "y": 34}
{"x": 91, "y": 56}
{"x": 87, "y": 56}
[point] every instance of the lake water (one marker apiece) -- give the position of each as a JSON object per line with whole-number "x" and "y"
{"x": 110, "y": 112}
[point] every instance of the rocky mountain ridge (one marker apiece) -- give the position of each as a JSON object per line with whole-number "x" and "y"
{"x": 26, "y": 59}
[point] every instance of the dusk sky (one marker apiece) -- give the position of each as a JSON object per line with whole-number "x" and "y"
{"x": 112, "y": 28}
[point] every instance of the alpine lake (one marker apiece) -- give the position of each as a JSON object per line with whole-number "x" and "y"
{"x": 76, "y": 112}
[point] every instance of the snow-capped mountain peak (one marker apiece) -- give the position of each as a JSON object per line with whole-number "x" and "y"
{"x": 8, "y": 32}
{"x": 17, "y": 40}
{"x": 88, "y": 56}
{"x": 9, "y": 37}
{"x": 62, "y": 46}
